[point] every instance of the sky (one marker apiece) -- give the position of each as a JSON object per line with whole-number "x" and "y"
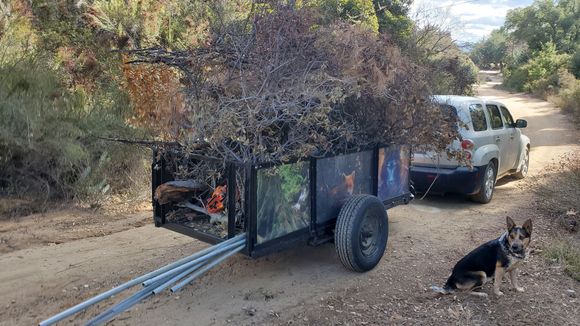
{"x": 471, "y": 19}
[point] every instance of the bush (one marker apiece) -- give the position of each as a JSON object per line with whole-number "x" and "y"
{"x": 515, "y": 78}
{"x": 540, "y": 74}
{"x": 453, "y": 74}
{"x": 568, "y": 98}
{"x": 575, "y": 62}
{"x": 47, "y": 143}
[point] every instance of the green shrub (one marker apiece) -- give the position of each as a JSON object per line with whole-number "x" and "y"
{"x": 515, "y": 78}
{"x": 359, "y": 12}
{"x": 575, "y": 62}
{"x": 568, "y": 98}
{"x": 453, "y": 74}
{"x": 47, "y": 143}
{"x": 540, "y": 74}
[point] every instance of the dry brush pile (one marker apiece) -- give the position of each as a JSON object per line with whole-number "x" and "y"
{"x": 278, "y": 85}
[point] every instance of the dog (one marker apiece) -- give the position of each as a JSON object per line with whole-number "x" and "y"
{"x": 492, "y": 260}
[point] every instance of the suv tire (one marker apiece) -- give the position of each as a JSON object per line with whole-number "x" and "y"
{"x": 525, "y": 166}
{"x": 487, "y": 187}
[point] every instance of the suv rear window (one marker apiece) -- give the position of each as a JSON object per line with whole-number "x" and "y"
{"x": 496, "y": 122}
{"x": 449, "y": 112}
{"x": 478, "y": 117}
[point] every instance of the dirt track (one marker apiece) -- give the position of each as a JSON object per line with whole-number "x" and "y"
{"x": 309, "y": 285}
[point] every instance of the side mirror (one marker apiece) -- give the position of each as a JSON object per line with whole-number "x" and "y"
{"x": 521, "y": 123}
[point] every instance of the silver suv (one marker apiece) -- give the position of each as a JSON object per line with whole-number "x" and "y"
{"x": 492, "y": 140}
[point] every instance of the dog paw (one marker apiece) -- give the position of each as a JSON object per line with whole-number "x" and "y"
{"x": 520, "y": 289}
{"x": 498, "y": 293}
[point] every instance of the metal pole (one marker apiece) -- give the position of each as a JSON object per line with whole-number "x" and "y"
{"x": 157, "y": 287}
{"x": 121, "y": 306}
{"x": 176, "y": 278}
{"x": 206, "y": 268}
{"x": 122, "y": 287}
{"x": 177, "y": 269}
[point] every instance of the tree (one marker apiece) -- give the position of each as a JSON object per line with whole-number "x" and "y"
{"x": 393, "y": 17}
{"x": 383, "y": 16}
{"x": 492, "y": 50}
{"x": 359, "y": 12}
{"x": 543, "y": 67}
{"x": 546, "y": 21}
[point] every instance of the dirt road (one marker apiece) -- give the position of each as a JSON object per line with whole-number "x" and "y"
{"x": 309, "y": 285}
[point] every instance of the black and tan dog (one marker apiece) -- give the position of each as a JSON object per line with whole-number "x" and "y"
{"x": 491, "y": 260}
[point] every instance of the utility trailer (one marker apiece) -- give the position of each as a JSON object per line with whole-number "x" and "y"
{"x": 341, "y": 198}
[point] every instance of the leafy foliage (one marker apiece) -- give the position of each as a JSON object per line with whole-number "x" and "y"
{"x": 568, "y": 97}
{"x": 575, "y": 62}
{"x": 393, "y": 18}
{"x": 537, "y": 44}
{"x": 491, "y": 51}
{"x": 546, "y": 21}
{"x": 450, "y": 70}
{"x": 45, "y": 137}
{"x": 56, "y": 98}
{"x": 359, "y": 12}
{"x": 541, "y": 72}
{"x": 293, "y": 179}
{"x": 453, "y": 75}
{"x": 250, "y": 80}
{"x": 137, "y": 23}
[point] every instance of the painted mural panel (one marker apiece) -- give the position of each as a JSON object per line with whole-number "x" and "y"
{"x": 283, "y": 203}
{"x": 338, "y": 178}
{"x": 393, "y": 171}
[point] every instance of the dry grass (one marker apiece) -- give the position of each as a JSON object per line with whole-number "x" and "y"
{"x": 558, "y": 192}
{"x": 566, "y": 253}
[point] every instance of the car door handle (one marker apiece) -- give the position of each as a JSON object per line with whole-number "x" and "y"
{"x": 497, "y": 138}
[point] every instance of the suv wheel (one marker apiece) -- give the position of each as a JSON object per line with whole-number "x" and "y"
{"x": 485, "y": 193}
{"x": 525, "y": 165}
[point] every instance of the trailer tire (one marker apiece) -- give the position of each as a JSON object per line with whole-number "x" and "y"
{"x": 362, "y": 231}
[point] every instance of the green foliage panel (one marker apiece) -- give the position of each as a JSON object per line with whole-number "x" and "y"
{"x": 283, "y": 200}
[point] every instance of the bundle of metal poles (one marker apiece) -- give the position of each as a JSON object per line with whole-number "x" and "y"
{"x": 178, "y": 274}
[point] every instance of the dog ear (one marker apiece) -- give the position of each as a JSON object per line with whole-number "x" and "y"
{"x": 510, "y": 223}
{"x": 528, "y": 226}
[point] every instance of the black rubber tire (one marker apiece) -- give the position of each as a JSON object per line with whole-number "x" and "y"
{"x": 484, "y": 196}
{"x": 524, "y": 172}
{"x": 356, "y": 216}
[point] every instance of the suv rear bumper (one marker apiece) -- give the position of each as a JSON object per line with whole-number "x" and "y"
{"x": 462, "y": 180}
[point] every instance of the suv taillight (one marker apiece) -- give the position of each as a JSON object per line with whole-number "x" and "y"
{"x": 467, "y": 144}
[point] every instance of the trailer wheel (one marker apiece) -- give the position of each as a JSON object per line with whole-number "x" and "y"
{"x": 362, "y": 231}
